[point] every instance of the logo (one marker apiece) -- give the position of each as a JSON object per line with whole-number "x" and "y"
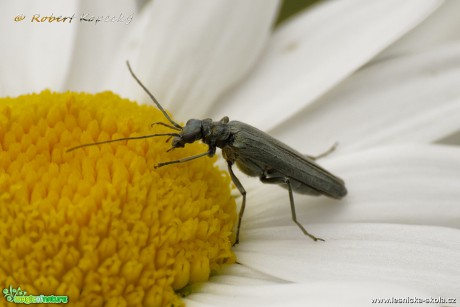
{"x": 19, "y": 296}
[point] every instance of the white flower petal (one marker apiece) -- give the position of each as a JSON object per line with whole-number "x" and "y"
{"x": 190, "y": 52}
{"x": 408, "y": 99}
{"x": 394, "y": 184}
{"x": 96, "y": 43}
{"x": 423, "y": 257}
{"x": 318, "y": 293}
{"x": 35, "y": 55}
{"x": 314, "y": 52}
{"x": 438, "y": 29}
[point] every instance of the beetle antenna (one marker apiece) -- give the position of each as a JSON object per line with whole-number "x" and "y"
{"x": 122, "y": 139}
{"x": 153, "y": 98}
{"x": 166, "y": 125}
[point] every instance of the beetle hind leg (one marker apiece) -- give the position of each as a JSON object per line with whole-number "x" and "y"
{"x": 284, "y": 180}
{"x": 326, "y": 153}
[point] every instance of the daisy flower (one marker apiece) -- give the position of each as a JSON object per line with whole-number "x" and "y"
{"x": 381, "y": 78}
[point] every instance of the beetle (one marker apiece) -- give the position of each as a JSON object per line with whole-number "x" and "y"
{"x": 254, "y": 152}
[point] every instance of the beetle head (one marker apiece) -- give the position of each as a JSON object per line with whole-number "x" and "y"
{"x": 189, "y": 134}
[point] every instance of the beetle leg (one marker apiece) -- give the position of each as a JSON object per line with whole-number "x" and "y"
{"x": 280, "y": 180}
{"x": 182, "y": 160}
{"x": 240, "y": 188}
{"x": 327, "y": 152}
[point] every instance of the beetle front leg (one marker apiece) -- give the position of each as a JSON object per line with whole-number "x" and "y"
{"x": 182, "y": 160}
{"x": 281, "y": 180}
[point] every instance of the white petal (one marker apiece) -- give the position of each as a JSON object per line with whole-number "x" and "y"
{"x": 393, "y": 184}
{"x": 314, "y": 52}
{"x": 318, "y": 293}
{"x": 35, "y": 55}
{"x": 423, "y": 257}
{"x": 96, "y": 42}
{"x": 188, "y": 52}
{"x": 438, "y": 29}
{"x": 408, "y": 99}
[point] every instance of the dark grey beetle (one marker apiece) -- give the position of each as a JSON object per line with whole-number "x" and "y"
{"x": 255, "y": 153}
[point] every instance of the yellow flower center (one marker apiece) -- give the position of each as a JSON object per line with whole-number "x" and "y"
{"x": 100, "y": 224}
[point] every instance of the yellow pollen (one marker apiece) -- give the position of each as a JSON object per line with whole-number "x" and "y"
{"x": 100, "y": 224}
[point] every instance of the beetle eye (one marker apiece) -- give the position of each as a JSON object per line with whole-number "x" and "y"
{"x": 177, "y": 142}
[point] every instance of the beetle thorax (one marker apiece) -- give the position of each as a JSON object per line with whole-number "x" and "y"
{"x": 216, "y": 133}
